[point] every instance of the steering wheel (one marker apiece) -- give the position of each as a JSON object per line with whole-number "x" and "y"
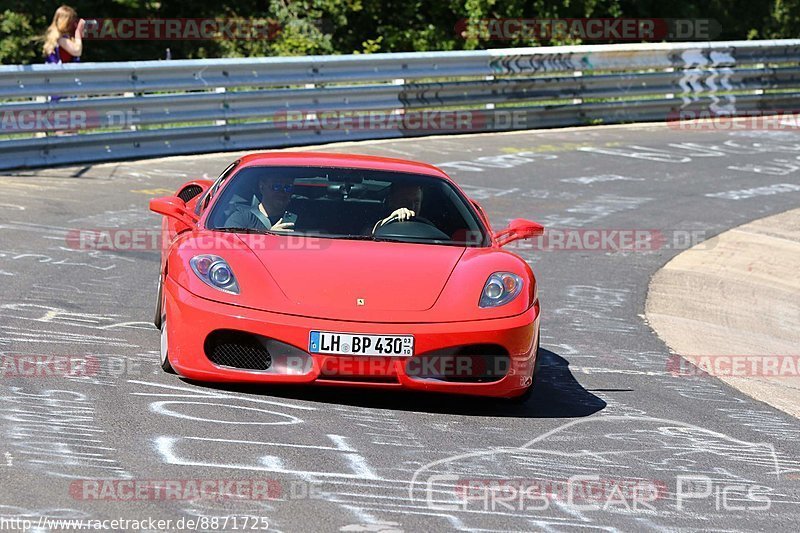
{"x": 394, "y": 220}
{"x": 417, "y": 227}
{"x": 412, "y": 219}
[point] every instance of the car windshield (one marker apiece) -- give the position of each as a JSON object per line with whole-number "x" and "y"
{"x": 346, "y": 203}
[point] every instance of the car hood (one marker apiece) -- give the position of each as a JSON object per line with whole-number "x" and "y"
{"x": 348, "y": 279}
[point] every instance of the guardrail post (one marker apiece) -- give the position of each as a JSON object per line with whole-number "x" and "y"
{"x": 222, "y": 122}
{"x": 127, "y": 118}
{"x": 398, "y": 111}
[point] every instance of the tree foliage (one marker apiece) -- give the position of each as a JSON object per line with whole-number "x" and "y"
{"x": 368, "y": 26}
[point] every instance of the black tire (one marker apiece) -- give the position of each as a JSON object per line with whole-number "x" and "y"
{"x": 164, "y": 361}
{"x": 538, "y": 364}
{"x": 159, "y": 300}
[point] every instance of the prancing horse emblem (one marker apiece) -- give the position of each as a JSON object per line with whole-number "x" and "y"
{"x": 360, "y": 301}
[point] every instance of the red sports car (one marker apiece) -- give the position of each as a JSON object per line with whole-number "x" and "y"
{"x": 344, "y": 270}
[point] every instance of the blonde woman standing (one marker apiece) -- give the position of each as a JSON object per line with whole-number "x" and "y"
{"x": 63, "y": 41}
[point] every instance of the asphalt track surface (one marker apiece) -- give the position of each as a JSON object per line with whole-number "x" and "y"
{"x": 608, "y": 403}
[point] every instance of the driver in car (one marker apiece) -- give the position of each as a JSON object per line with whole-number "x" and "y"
{"x": 275, "y": 195}
{"x": 404, "y": 201}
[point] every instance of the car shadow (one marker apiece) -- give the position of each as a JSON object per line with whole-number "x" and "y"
{"x": 556, "y": 394}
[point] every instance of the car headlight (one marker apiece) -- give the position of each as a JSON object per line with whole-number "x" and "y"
{"x": 215, "y": 272}
{"x": 500, "y": 288}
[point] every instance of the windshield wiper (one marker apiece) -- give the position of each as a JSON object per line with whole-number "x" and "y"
{"x": 417, "y": 240}
{"x": 354, "y": 237}
{"x": 242, "y": 230}
{"x": 397, "y": 239}
{"x": 372, "y": 238}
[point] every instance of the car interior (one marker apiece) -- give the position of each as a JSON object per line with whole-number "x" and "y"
{"x": 348, "y": 203}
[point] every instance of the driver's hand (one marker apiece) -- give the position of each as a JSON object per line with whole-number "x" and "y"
{"x": 402, "y": 213}
{"x": 283, "y": 226}
{"x": 79, "y": 28}
{"x": 399, "y": 214}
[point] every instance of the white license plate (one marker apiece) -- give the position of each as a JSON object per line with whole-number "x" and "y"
{"x": 355, "y": 344}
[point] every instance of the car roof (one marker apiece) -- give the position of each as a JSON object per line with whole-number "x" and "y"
{"x": 325, "y": 159}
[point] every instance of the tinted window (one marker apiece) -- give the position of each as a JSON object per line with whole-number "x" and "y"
{"x": 347, "y": 203}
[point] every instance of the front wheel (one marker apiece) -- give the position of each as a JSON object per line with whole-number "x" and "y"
{"x": 165, "y": 364}
{"x": 159, "y": 303}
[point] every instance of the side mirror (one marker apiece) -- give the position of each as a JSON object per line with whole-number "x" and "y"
{"x": 173, "y": 207}
{"x": 519, "y": 228}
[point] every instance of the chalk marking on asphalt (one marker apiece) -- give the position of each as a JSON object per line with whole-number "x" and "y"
{"x": 217, "y": 394}
{"x": 335, "y": 448}
{"x": 133, "y": 325}
{"x": 165, "y": 446}
{"x": 162, "y": 409}
{"x": 600, "y": 178}
{"x": 598, "y": 370}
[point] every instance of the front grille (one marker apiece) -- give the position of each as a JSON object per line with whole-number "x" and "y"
{"x": 472, "y": 363}
{"x": 358, "y": 379}
{"x": 189, "y": 192}
{"x": 237, "y": 349}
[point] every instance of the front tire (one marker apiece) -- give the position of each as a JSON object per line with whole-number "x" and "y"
{"x": 165, "y": 364}
{"x": 538, "y": 364}
{"x": 159, "y": 303}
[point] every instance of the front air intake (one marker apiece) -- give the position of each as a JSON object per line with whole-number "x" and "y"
{"x": 471, "y": 363}
{"x": 237, "y": 349}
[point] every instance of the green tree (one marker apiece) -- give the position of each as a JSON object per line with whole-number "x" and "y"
{"x": 19, "y": 41}
{"x": 367, "y": 26}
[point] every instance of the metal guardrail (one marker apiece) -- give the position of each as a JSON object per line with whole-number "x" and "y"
{"x": 155, "y": 108}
